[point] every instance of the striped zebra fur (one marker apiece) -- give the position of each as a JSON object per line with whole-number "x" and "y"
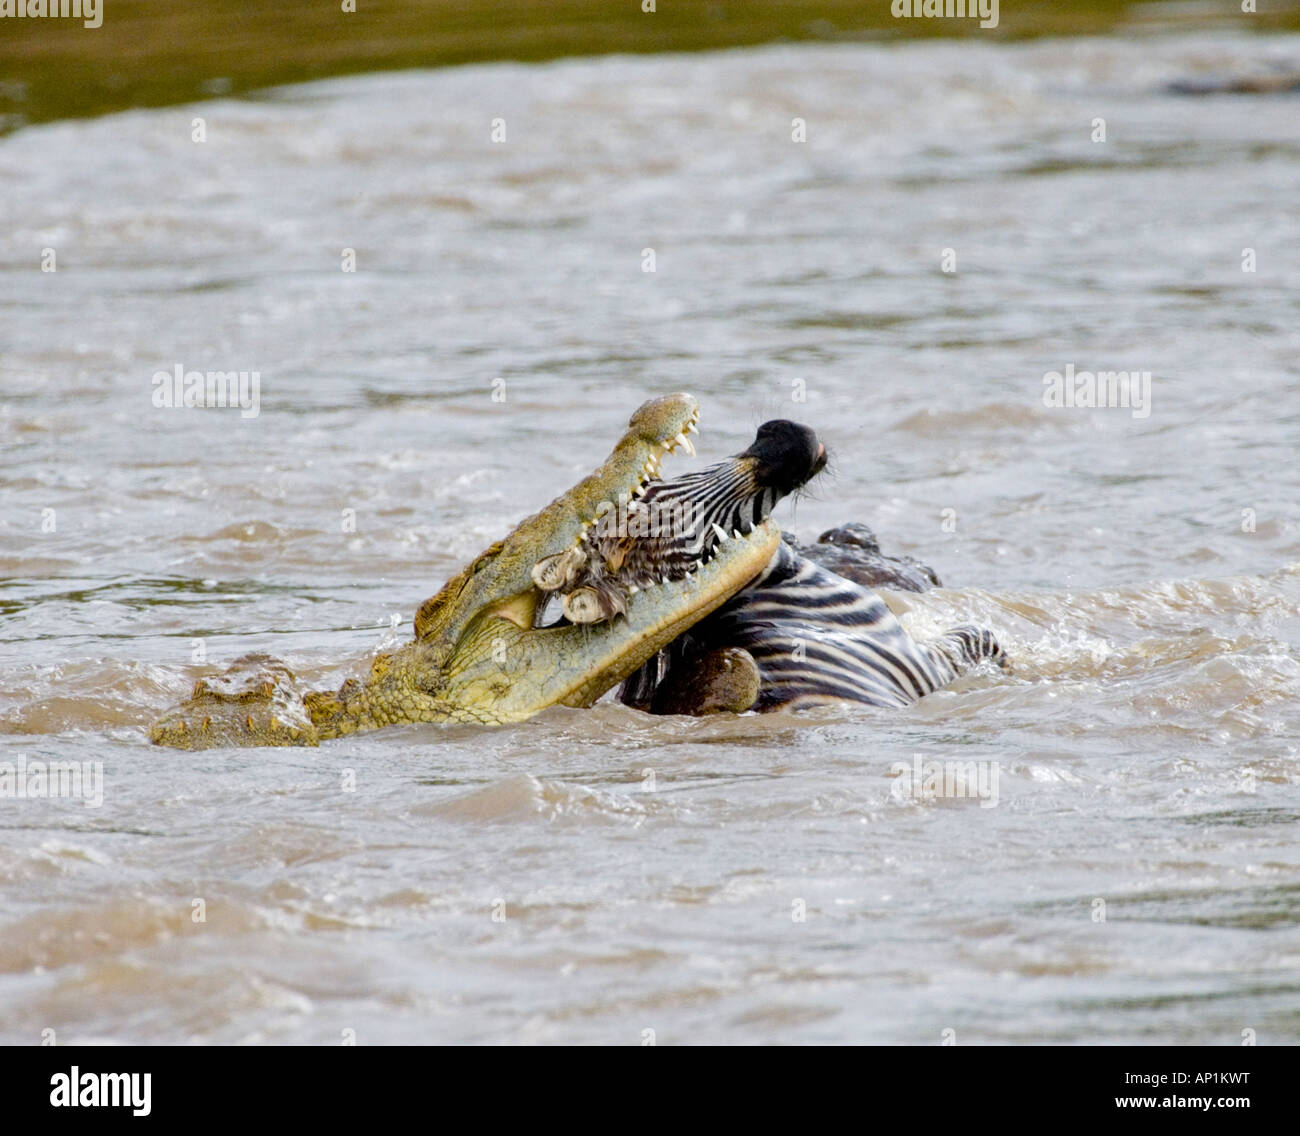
{"x": 818, "y": 638}
{"x": 675, "y": 525}
{"x": 814, "y": 636}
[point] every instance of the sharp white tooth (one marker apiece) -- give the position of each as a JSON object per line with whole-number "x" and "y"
{"x": 736, "y": 534}
{"x": 667, "y": 446}
{"x": 690, "y": 427}
{"x": 665, "y": 579}
{"x": 722, "y": 533}
{"x": 683, "y": 440}
{"x": 698, "y": 565}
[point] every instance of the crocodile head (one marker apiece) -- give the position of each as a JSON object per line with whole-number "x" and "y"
{"x": 482, "y": 650}
{"x": 487, "y": 655}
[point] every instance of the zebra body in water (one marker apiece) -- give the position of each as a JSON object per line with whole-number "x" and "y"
{"x": 802, "y": 636}
{"x": 797, "y": 636}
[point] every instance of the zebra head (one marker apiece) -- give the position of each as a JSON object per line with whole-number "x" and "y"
{"x": 672, "y": 528}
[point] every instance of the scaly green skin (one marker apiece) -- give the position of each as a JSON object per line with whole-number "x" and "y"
{"x": 476, "y": 656}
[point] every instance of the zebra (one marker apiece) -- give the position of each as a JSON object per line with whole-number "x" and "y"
{"x": 812, "y": 637}
{"x": 797, "y": 636}
{"x": 672, "y": 527}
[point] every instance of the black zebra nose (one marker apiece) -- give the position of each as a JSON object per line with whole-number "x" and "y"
{"x": 786, "y": 455}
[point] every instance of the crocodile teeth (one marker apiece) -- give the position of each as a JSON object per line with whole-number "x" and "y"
{"x": 683, "y": 440}
{"x": 722, "y": 533}
{"x": 736, "y": 534}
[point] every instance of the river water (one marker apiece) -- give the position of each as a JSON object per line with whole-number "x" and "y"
{"x": 593, "y": 875}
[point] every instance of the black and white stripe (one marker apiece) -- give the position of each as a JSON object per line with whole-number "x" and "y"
{"x": 675, "y": 526}
{"x": 819, "y": 638}
{"x": 725, "y": 494}
{"x": 814, "y": 636}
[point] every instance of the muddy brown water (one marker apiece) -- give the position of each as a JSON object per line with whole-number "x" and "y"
{"x": 592, "y": 875}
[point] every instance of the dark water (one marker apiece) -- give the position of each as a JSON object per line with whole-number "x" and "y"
{"x": 738, "y": 879}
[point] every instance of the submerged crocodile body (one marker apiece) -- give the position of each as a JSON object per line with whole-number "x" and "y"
{"x": 629, "y": 587}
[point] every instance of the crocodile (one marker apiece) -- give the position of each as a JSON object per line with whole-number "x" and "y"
{"x": 684, "y": 592}
{"x": 481, "y": 652}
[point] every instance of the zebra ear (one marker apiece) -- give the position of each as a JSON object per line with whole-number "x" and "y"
{"x": 559, "y": 571}
{"x": 594, "y": 602}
